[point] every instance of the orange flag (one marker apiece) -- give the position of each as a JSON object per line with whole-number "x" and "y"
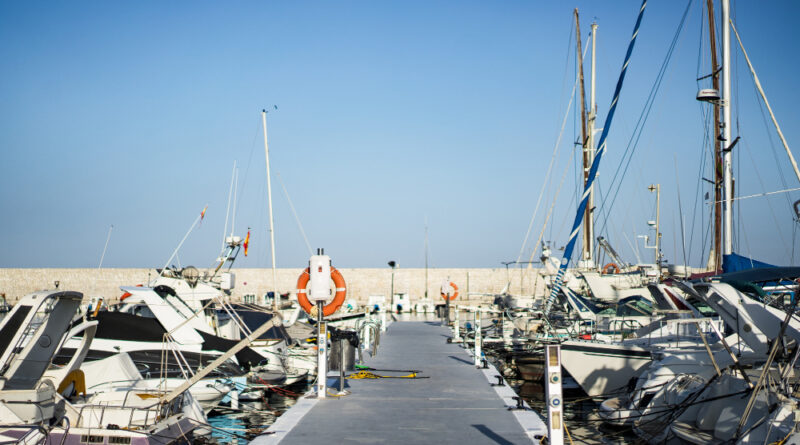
{"x": 246, "y": 242}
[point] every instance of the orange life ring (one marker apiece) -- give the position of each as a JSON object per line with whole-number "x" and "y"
{"x": 609, "y": 266}
{"x": 452, "y": 297}
{"x": 338, "y": 298}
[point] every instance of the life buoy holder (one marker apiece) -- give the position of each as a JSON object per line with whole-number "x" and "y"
{"x": 330, "y": 308}
{"x": 607, "y": 269}
{"x": 455, "y": 292}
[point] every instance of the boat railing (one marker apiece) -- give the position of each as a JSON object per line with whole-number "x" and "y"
{"x": 98, "y": 415}
{"x": 42, "y": 314}
{"x": 624, "y": 325}
{"x": 369, "y": 333}
{"x": 169, "y": 345}
{"x": 687, "y": 329}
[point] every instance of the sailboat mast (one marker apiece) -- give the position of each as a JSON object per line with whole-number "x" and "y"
{"x": 275, "y": 296}
{"x": 716, "y": 261}
{"x": 601, "y": 146}
{"x": 727, "y": 173}
{"x": 590, "y": 144}
{"x": 587, "y": 163}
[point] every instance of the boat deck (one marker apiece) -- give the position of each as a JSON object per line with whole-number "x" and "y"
{"x": 455, "y": 403}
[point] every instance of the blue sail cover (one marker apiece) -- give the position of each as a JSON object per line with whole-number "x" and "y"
{"x": 735, "y": 263}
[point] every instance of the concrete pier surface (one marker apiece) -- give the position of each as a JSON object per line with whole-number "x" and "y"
{"x": 455, "y": 403}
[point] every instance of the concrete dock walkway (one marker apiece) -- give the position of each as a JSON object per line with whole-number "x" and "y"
{"x": 455, "y": 404}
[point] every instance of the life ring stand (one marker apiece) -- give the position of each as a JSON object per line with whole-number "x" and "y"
{"x": 455, "y": 294}
{"x": 330, "y": 308}
{"x": 607, "y": 269}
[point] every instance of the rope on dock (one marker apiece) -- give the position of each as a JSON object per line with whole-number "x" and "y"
{"x": 568, "y": 435}
{"x": 370, "y": 375}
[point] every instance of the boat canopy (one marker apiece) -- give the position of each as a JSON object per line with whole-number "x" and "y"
{"x": 762, "y": 275}
{"x": 735, "y": 263}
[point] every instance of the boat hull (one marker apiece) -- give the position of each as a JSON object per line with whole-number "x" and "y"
{"x": 602, "y": 370}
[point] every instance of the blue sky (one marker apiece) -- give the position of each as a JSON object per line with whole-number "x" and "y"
{"x": 388, "y": 113}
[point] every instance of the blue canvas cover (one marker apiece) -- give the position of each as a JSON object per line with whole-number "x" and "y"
{"x": 735, "y": 263}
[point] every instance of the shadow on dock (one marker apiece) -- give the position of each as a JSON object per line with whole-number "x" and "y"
{"x": 491, "y": 434}
{"x": 460, "y": 360}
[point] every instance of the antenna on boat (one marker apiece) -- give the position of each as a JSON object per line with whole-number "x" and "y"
{"x": 426, "y": 256}
{"x": 194, "y": 224}
{"x": 275, "y": 295}
{"x": 108, "y": 238}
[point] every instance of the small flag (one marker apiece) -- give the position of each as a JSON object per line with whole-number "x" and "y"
{"x": 203, "y": 213}
{"x": 246, "y": 242}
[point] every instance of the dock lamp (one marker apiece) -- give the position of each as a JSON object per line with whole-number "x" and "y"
{"x": 392, "y": 264}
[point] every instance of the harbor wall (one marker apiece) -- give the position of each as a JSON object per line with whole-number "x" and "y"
{"x": 361, "y": 282}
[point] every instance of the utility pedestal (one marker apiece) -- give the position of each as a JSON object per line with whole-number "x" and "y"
{"x": 322, "y": 352}
{"x": 320, "y": 270}
{"x": 457, "y": 327}
{"x": 555, "y": 400}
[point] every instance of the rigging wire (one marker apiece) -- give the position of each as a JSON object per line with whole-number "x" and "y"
{"x": 680, "y": 214}
{"x": 550, "y": 210}
{"x": 761, "y": 100}
{"x": 763, "y": 187}
{"x": 640, "y": 124}
{"x": 253, "y": 145}
{"x": 549, "y": 171}
{"x": 555, "y": 150}
{"x": 294, "y": 212}
{"x": 707, "y": 149}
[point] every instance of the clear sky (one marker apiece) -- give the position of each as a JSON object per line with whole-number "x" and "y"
{"x": 389, "y": 113}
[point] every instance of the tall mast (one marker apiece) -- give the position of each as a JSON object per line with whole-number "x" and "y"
{"x": 275, "y": 296}
{"x": 716, "y": 261}
{"x": 590, "y": 143}
{"x": 587, "y": 163}
{"x": 601, "y": 147}
{"x": 657, "y": 188}
{"x": 727, "y": 173}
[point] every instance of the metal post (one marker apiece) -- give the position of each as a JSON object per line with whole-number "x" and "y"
{"x": 457, "y": 327}
{"x": 555, "y": 408}
{"x": 341, "y": 368}
{"x": 383, "y": 320}
{"x": 478, "y": 338}
{"x": 445, "y": 290}
{"x": 322, "y": 352}
{"x": 367, "y": 332}
{"x": 447, "y": 309}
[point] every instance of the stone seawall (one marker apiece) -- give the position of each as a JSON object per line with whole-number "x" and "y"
{"x": 361, "y": 283}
